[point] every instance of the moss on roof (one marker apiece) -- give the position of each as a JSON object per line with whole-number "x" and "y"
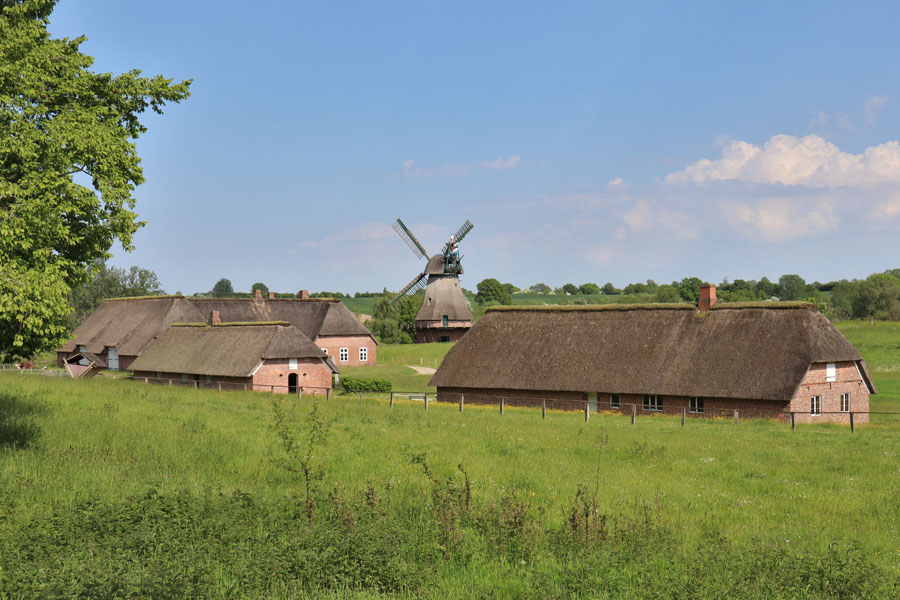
{"x": 765, "y": 304}
{"x": 594, "y": 307}
{"x": 161, "y": 296}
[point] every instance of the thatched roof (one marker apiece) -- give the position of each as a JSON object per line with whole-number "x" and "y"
{"x": 225, "y": 350}
{"x": 443, "y": 296}
{"x": 130, "y": 324}
{"x": 740, "y": 352}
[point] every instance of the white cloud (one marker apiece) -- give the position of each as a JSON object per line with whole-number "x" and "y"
{"x": 617, "y": 182}
{"x": 411, "y": 169}
{"x": 887, "y": 210}
{"x": 872, "y": 106}
{"x": 808, "y": 161}
{"x": 501, "y": 163}
{"x": 646, "y": 216}
{"x": 600, "y": 255}
{"x": 364, "y": 232}
{"x": 781, "y": 219}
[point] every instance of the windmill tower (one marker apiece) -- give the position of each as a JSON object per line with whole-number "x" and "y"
{"x": 445, "y": 314}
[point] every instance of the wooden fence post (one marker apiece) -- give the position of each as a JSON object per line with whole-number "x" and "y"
{"x": 245, "y": 387}
{"x": 501, "y": 405}
{"x": 852, "y": 426}
{"x": 683, "y": 411}
{"x": 300, "y": 393}
{"x": 792, "y": 420}
{"x": 462, "y": 400}
{"x": 735, "y": 417}
{"x": 587, "y": 412}
{"x": 195, "y": 384}
{"x": 633, "y": 412}
{"x": 360, "y": 398}
{"x": 327, "y": 394}
{"x": 543, "y": 409}
{"x": 146, "y": 380}
{"x": 426, "y": 401}
{"x": 220, "y": 386}
{"x": 392, "y": 399}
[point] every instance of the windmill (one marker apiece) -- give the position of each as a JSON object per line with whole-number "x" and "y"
{"x": 445, "y": 314}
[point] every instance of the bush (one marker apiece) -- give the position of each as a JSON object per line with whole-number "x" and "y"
{"x": 360, "y": 384}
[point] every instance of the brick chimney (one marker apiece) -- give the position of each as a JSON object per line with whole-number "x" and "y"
{"x": 304, "y": 294}
{"x": 707, "y": 297}
{"x": 214, "y": 318}
{"x": 271, "y": 295}
{"x": 257, "y": 295}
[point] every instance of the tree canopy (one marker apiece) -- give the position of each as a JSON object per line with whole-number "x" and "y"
{"x": 111, "y": 282}
{"x": 491, "y": 290}
{"x": 68, "y": 168}
{"x": 222, "y": 288}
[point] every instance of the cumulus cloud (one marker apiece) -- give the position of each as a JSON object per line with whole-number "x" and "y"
{"x": 872, "y": 106}
{"x": 781, "y": 219}
{"x": 617, "y": 182}
{"x": 808, "y": 161}
{"x": 646, "y": 216}
{"x": 412, "y": 169}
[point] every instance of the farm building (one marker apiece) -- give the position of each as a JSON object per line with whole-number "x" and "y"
{"x": 273, "y": 357}
{"x": 119, "y": 329}
{"x": 761, "y": 359}
{"x": 444, "y": 315}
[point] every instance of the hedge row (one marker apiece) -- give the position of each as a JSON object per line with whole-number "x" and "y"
{"x": 360, "y": 384}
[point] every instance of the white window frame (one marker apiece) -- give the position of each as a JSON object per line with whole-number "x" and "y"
{"x": 815, "y": 405}
{"x": 830, "y": 372}
{"x": 344, "y": 355}
{"x": 652, "y": 402}
{"x": 845, "y": 402}
{"x": 292, "y": 364}
{"x": 615, "y": 401}
{"x": 696, "y": 405}
{"x": 363, "y": 354}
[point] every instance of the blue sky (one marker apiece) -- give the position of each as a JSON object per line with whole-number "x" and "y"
{"x": 586, "y": 142}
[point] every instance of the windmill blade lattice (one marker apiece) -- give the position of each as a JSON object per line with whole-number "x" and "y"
{"x": 418, "y": 283}
{"x": 411, "y": 241}
{"x": 458, "y": 236}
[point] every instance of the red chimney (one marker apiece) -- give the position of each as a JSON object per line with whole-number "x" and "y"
{"x": 707, "y": 297}
{"x": 271, "y": 295}
{"x": 215, "y": 318}
{"x": 257, "y": 295}
{"x": 304, "y": 294}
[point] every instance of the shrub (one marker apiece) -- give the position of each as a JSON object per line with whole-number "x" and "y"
{"x": 360, "y": 384}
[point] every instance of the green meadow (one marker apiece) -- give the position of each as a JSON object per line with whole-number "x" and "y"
{"x": 118, "y": 489}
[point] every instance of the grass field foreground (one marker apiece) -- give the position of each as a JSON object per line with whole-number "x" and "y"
{"x": 114, "y": 487}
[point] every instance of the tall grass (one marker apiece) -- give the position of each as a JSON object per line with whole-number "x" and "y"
{"x": 114, "y": 488}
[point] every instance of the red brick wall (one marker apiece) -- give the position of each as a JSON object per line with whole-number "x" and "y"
{"x": 313, "y": 376}
{"x": 333, "y": 343}
{"x": 847, "y": 380}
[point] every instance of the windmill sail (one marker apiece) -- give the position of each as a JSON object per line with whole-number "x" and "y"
{"x": 411, "y": 241}
{"x": 418, "y": 283}
{"x": 459, "y": 235}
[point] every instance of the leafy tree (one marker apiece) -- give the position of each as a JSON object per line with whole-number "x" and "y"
{"x": 667, "y": 293}
{"x": 511, "y": 289}
{"x": 636, "y": 288}
{"x": 570, "y": 288}
{"x": 259, "y": 286}
{"x": 878, "y": 297}
{"x": 765, "y": 289}
{"x": 387, "y": 331}
{"x": 541, "y": 288}
{"x": 491, "y": 290}
{"x": 589, "y": 289}
{"x": 793, "y": 287}
{"x": 222, "y": 289}
{"x": 689, "y": 289}
{"x": 609, "y": 288}
{"x": 59, "y": 120}
{"x": 652, "y": 286}
{"x": 111, "y": 282}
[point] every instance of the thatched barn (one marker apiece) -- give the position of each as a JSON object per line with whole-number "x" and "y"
{"x": 761, "y": 359}
{"x": 119, "y": 329}
{"x": 274, "y": 357}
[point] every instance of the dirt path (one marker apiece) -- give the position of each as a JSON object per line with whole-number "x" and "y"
{"x": 422, "y": 370}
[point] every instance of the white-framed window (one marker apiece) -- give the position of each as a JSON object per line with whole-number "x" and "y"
{"x": 845, "y": 402}
{"x": 325, "y": 350}
{"x": 696, "y": 405}
{"x": 652, "y": 402}
{"x": 830, "y": 372}
{"x": 184, "y": 378}
{"x": 292, "y": 364}
{"x": 363, "y": 354}
{"x": 815, "y": 405}
{"x": 615, "y": 401}
{"x": 344, "y": 354}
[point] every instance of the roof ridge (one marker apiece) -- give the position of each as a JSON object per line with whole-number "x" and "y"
{"x": 593, "y": 307}
{"x": 235, "y": 324}
{"x": 160, "y": 296}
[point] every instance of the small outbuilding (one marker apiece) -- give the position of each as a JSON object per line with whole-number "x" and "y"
{"x": 83, "y": 365}
{"x": 271, "y": 357}
{"x": 766, "y": 359}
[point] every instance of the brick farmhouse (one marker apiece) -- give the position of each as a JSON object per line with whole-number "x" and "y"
{"x": 765, "y": 359}
{"x": 274, "y": 357}
{"x": 120, "y": 329}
